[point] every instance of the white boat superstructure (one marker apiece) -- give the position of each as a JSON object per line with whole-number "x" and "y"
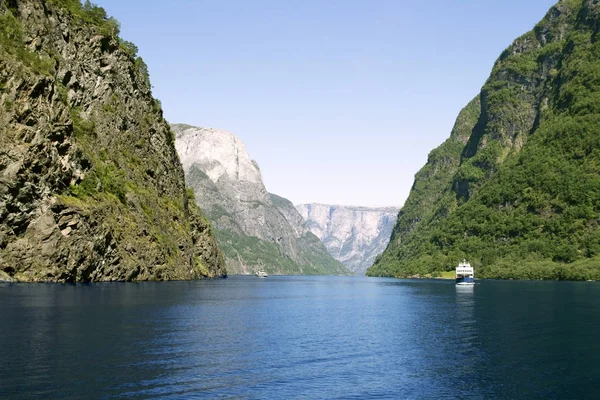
{"x": 465, "y": 275}
{"x": 261, "y": 274}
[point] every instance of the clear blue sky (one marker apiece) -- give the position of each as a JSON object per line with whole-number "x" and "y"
{"x": 339, "y": 101}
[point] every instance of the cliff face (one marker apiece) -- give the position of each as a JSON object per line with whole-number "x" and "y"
{"x": 91, "y": 188}
{"x": 516, "y": 187}
{"x": 352, "y": 235}
{"x": 257, "y": 230}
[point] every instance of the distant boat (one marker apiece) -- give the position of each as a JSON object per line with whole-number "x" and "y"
{"x": 261, "y": 274}
{"x": 465, "y": 274}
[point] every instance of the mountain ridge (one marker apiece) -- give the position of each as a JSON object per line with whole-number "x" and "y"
{"x": 91, "y": 188}
{"x": 256, "y": 229}
{"x": 514, "y": 188}
{"x": 353, "y": 235}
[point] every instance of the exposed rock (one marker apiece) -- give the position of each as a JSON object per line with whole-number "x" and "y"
{"x": 79, "y": 133}
{"x": 256, "y": 230}
{"x": 352, "y": 235}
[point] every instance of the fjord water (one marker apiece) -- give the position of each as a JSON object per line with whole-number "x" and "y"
{"x": 301, "y": 337}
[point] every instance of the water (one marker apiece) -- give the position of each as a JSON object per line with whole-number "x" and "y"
{"x": 301, "y": 337}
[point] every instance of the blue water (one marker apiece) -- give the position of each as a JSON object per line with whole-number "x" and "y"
{"x": 301, "y": 337}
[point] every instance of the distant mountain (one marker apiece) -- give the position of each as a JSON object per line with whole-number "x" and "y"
{"x": 256, "y": 230}
{"x": 352, "y": 235}
{"x": 516, "y": 187}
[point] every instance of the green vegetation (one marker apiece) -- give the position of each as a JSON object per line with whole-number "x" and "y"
{"x": 524, "y": 199}
{"x": 102, "y": 178}
{"x": 12, "y": 43}
{"x": 189, "y": 192}
{"x": 447, "y": 275}
{"x": 256, "y": 254}
{"x": 90, "y": 14}
{"x": 201, "y": 269}
{"x": 283, "y": 253}
{"x": 107, "y": 168}
{"x": 81, "y": 127}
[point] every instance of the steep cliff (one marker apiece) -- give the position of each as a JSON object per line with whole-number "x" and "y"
{"x": 257, "y": 230}
{"x": 352, "y": 235}
{"x": 91, "y": 188}
{"x": 516, "y": 188}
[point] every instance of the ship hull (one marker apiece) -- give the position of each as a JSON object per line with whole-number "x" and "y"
{"x": 465, "y": 281}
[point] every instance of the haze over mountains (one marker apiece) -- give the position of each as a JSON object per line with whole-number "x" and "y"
{"x": 92, "y": 187}
{"x": 352, "y": 235}
{"x": 256, "y": 229}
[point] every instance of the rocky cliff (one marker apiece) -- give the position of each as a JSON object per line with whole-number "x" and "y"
{"x": 516, "y": 187}
{"x": 257, "y": 230}
{"x": 91, "y": 188}
{"x": 352, "y": 235}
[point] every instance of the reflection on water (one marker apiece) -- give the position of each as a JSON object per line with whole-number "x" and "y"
{"x": 301, "y": 337}
{"x": 466, "y": 328}
{"x": 465, "y": 289}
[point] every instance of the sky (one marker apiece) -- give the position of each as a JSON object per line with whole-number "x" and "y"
{"x": 339, "y": 101}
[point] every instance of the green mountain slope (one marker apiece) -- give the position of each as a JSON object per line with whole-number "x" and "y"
{"x": 91, "y": 187}
{"x": 516, "y": 187}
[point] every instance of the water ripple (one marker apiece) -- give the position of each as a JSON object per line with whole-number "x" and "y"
{"x": 300, "y": 337}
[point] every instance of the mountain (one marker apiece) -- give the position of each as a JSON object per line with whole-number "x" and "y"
{"x": 91, "y": 188}
{"x": 352, "y": 235}
{"x": 516, "y": 187}
{"x": 257, "y": 230}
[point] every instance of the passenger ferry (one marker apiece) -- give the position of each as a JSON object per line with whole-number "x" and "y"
{"x": 465, "y": 274}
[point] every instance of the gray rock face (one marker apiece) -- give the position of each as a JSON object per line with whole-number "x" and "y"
{"x": 91, "y": 188}
{"x": 256, "y": 229}
{"x": 352, "y": 235}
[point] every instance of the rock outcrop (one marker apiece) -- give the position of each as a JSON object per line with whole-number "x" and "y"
{"x": 257, "y": 230}
{"x": 352, "y": 235}
{"x": 91, "y": 187}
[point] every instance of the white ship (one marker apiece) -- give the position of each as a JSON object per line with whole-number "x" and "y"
{"x": 465, "y": 274}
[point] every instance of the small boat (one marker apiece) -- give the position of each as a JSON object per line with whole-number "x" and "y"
{"x": 261, "y": 274}
{"x": 465, "y": 274}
